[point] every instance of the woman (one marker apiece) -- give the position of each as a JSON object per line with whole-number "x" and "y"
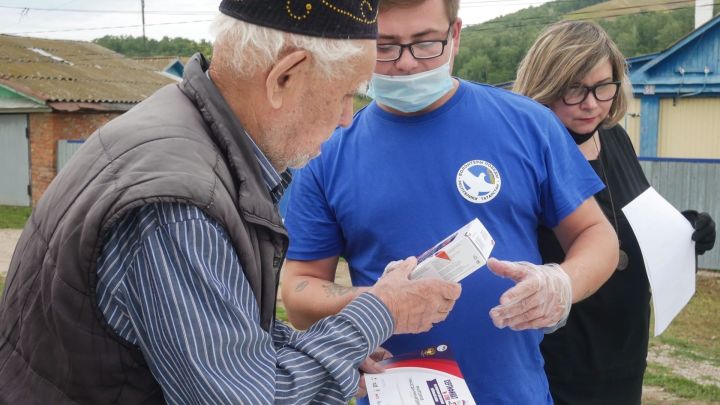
{"x": 599, "y": 356}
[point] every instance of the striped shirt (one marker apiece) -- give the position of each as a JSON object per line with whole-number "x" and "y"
{"x": 170, "y": 283}
{"x": 276, "y": 182}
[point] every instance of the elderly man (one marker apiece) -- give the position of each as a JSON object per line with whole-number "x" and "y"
{"x": 148, "y": 271}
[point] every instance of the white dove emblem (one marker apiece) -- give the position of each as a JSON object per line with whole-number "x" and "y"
{"x": 477, "y": 184}
{"x": 481, "y": 188}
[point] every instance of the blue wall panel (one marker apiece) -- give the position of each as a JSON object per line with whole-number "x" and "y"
{"x": 649, "y": 115}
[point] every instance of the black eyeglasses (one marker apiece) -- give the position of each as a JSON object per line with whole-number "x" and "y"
{"x": 419, "y": 50}
{"x": 576, "y": 94}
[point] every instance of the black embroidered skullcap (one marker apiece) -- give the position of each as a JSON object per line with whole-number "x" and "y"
{"x": 345, "y": 19}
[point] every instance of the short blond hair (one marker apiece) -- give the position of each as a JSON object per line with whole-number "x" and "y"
{"x": 451, "y": 6}
{"x": 565, "y": 53}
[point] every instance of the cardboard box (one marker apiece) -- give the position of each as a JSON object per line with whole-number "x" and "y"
{"x": 458, "y": 255}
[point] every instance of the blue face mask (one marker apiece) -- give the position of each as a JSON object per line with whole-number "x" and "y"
{"x": 411, "y": 93}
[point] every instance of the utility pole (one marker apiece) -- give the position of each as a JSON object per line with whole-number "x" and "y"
{"x": 142, "y": 7}
{"x": 703, "y": 12}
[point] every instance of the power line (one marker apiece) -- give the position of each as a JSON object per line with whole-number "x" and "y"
{"x": 469, "y": 3}
{"x": 486, "y": 26}
{"x": 600, "y": 13}
{"x": 108, "y": 28}
{"x": 498, "y": 24}
{"x": 589, "y": 15}
{"x": 691, "y": 2}
{"x": 104, "y": 11}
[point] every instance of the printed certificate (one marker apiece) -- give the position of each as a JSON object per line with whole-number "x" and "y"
{"x": 430, "y": 377}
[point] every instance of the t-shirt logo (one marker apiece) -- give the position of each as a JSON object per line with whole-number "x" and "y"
{"x": 478, "y": 181}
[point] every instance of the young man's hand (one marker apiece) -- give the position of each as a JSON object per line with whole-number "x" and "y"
{"x": 540, "y": 299}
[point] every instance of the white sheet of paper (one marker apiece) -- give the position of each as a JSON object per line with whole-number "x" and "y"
{"x": 669, "y": 254}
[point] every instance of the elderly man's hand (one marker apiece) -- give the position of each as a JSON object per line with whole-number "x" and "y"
{"x": 540, "y": 299}
{"x": 415, "y": 305}
{"x": 371, "y": 366}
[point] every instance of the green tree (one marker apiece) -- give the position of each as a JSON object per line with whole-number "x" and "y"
{"x": 490, "y": 52}
{"x": 137, "y": 47}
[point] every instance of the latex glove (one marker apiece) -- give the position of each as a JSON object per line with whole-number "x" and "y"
{"x": 371, "y": 366}
{"x": 541, "y": 298}
{"x": 704, "y": 234}
{"x": 415, "y": 305}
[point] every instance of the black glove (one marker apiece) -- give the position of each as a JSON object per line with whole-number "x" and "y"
{"x": 704, "y": 235}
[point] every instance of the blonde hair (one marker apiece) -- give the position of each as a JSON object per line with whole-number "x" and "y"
{"x": 451, "y": 6}
{"x": 252, "y": 48}
{"x": 565, "y": 53}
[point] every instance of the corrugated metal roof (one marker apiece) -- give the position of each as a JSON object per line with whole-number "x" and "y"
{"x": 74, "y": 71}
{"x": 687, "y": 68}
{"x": 10, "y": 105}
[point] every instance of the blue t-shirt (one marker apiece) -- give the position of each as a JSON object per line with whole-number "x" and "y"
{"x": 391, "y": 186}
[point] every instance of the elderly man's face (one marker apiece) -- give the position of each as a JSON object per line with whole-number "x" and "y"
{"x": 317, "y": 110}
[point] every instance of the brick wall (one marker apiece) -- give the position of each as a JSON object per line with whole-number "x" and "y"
{"x": 46, "y": 129}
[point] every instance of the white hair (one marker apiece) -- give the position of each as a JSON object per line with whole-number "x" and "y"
{"x": 252, "y": 48}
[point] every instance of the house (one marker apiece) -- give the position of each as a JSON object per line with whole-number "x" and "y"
{"x": 674, "y": 122}
{"x": 53, "y": 95}
{"x": 676, "y": 110}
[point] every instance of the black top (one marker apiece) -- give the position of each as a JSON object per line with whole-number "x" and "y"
{"x": 606, "y": 335}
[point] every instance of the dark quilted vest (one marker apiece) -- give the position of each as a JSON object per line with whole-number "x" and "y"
{"x": 182, "y": 144}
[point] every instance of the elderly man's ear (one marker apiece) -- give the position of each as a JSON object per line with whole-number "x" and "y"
{"x": 287, "y": 76}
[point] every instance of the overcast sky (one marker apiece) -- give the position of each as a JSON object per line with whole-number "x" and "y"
{"x": 89, "y": 19}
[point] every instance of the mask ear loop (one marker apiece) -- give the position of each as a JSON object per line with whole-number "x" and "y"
{"x": 450, "y": 46}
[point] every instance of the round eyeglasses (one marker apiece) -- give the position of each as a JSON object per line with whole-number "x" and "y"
{"x": 576, "y": 94}
{"x": 419, "y": 50}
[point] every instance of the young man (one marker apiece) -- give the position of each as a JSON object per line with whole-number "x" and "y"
{"x": 428, "y": 155}
{"x": 148, "y": 271}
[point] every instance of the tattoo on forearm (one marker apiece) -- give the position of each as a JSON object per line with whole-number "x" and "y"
{"x": 335, "y": 290}
{"x": 301, "y": 286}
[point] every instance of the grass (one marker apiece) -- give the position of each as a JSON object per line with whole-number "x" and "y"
{"x": 13, "y": 217}
{"x": 694, "y": 335}
{"x": 360, "y": 102}
{"x": 660, "y": 376}
{"x": 280, "y": 313}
